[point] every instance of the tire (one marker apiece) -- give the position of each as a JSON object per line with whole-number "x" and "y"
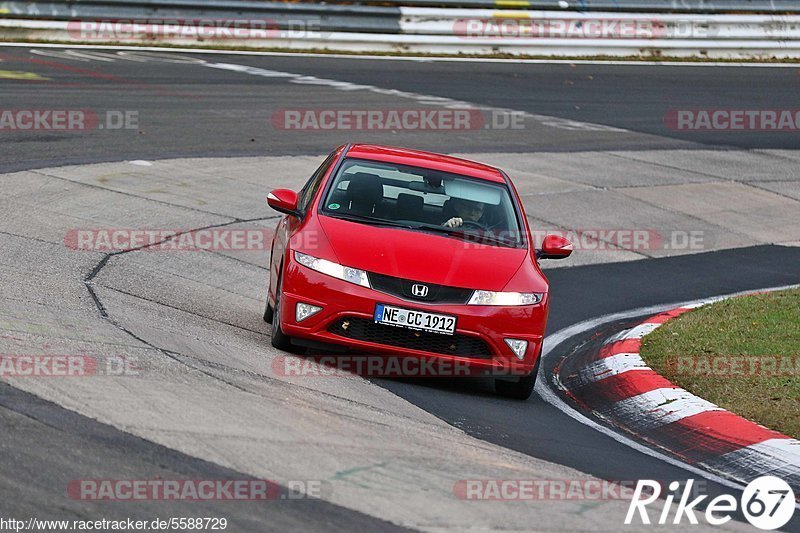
{"x": 268, "y": 312}
{"x": 279, "y": 339}
{"x": 520, "y": 389}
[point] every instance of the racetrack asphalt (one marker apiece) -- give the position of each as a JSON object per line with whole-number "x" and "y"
{"x": 186, "y": 109}
{"x": 189, "y": 110}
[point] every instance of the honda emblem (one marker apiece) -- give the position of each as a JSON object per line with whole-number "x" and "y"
{"x": 419, "y": 290}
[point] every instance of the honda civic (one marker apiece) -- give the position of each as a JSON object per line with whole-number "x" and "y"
{"x": 407, "y": 253}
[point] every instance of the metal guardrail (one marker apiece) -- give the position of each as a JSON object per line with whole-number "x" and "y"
{"x": 372, "y": 28}
{"x": 638, "y": 6}
{"x": 245, "y": 8}
{"x": 328, "y": 17}
{"x": 473, "y": 23}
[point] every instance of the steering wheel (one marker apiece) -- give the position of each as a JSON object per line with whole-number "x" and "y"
{"x": 473, "y": 224}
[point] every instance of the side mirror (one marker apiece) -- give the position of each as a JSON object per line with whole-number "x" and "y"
{"x": 554, "y": 247}
{"x": 283, "y": 201}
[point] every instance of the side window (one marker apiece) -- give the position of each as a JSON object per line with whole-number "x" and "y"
{"x": 311, "y": 188}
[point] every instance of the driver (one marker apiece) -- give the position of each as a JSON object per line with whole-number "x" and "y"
{"x": 466, "y": 210}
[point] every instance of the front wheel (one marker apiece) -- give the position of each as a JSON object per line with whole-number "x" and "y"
{"x": 269, "y": 314}
{"x": 279, "y": 339}
{"x": 522, "y": 388}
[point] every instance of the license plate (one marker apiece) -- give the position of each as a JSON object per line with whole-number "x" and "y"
{"x": 419, "y": 320}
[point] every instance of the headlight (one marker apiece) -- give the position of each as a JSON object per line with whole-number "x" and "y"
{"x": 505, "y": 298}
{"x": 353, "y": 275}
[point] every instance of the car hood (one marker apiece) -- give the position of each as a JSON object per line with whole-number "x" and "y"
{"x": 421, "y": 256}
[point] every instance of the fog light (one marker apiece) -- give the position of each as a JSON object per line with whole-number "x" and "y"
{"x": 303, "y": 311}
{"x": 518, "y": 347}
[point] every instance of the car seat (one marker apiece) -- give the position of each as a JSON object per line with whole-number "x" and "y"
{"x": 409, "y": 207}
{"x": 364, "y": 194}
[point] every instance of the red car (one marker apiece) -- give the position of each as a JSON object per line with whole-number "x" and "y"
{"x": 407, "y": 253}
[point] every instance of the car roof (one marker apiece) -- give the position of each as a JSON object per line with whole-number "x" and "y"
{"x": 445, "y": 163}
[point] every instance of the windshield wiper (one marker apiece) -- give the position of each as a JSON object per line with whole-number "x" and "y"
{"x": 453, "y": 232}
{"x": 363, "y": 219}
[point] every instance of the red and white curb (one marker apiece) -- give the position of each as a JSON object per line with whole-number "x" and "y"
{"x": 616, "y": 385}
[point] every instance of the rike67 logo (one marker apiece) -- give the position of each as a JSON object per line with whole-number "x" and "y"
{"x": 767, "y": 503}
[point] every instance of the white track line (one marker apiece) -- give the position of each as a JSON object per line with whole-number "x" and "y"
{"x": 773, "y": 455}
{"x": 546, "y": 390}
{"x": 663, "y": 406}
{"x": 424, "y": 99}
{"x": 412, "y": 58}
{"x": 610, "y": 366}
{"x": 634, "y": 333}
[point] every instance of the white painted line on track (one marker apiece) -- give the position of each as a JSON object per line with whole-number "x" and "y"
{"x": 546, "y": 390}
{"x": 776, "y": 457}
{"x": 776, "y": 451}
{"x": 425, "y": 99}
{"x": 663, "y": 406}
{"x": 610, "y": 366}
{"x": 634, "y": 333}
{"x": 421, "y": 59}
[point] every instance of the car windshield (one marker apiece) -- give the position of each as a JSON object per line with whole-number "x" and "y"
{"x": 424, "y": 199}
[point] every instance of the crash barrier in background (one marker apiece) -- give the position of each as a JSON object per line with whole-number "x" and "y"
{"x": 246, "y": 8}
{"x": 436, "y": 30}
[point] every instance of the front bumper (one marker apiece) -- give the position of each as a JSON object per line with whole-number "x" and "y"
{"x": 480, "y": 330}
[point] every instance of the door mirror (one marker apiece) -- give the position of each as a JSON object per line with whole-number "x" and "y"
{"x": 554, "y": 247}
{"x": 283, "y": 201}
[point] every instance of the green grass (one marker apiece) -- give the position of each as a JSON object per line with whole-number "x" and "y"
{"x": 763, "y": 328}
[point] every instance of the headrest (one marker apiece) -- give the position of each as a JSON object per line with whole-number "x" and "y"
{"x": 407, "y": 201}
{"x": 365, "y": 187}
{"x": 364, "y": 192}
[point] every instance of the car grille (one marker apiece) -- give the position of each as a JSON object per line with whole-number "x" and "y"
{"x": 364, "y": 329}
{"x": 402, "y": 288}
